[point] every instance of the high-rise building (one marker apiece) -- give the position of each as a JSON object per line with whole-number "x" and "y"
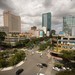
{"x": 12, "y": 21}
{"x": 69, "y": 25}
{"x": 46, "y": 21}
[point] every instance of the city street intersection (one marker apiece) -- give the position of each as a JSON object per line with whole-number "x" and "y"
{"x": 30, "y": 65}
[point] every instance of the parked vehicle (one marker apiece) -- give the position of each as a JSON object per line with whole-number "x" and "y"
{"x": 56, "y": 68}
{"x": 40, "y": 74}
{"x": 61, "y": 68}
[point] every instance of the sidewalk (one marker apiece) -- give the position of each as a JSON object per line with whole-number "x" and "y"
{"x": 50, "y": 66}
{"x": 49, "y": 70}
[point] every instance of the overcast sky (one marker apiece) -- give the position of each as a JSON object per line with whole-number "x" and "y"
{"x": 31, "y": 11}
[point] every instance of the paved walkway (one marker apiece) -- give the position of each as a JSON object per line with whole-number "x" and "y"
{"x": 49, "y": 70}
{"x": 50, "y": 66}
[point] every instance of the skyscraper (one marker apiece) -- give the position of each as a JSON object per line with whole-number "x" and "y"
{"x": 46, "y": 21}
{"x": 69, "y": 25}
{"x": 12, "y": 21}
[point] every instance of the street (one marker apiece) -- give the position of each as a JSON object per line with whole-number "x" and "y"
{"x": 30, "y": 65}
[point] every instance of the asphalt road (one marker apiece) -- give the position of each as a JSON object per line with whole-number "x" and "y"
{"x": 29, "y": 65}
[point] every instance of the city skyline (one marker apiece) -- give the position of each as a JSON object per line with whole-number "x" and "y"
{"x": 31, "y": 11}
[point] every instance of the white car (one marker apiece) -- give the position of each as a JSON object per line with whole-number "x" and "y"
{"x": 63, "y": 68}
{"x": 68, "y": 68}
{"x": 56, "y": 68}
{"x": 40, "y": 74}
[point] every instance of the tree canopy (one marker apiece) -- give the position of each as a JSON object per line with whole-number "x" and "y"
{"x": 2, "y": 36}
{"x": 66, "y": 72}
{"x": 70, "y": 55}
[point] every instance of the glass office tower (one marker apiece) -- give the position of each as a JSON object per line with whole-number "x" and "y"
{"x": 46, "y": 21}
{"x": 69, "y": 25}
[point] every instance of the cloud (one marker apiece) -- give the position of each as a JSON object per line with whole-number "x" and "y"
{"x": 57, "y": 28}
{"x": 47, "y": 3}
{"x": 31, "y": 11}
{"x": 6, "y": 4}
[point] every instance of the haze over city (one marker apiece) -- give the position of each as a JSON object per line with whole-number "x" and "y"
{"x": 31, "y": 11}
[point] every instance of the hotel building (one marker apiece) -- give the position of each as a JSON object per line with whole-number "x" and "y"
{"x": 12, "y": 21}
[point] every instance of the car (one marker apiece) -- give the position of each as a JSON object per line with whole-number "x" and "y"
{"x": 19, "y": 71}
{"x": 40, "y": 74}
{"x": 44, "y": 65}
{"x": 40, "y": 65}
{"x": 61, "y": 68}
{"x": 56, "y": 68}
{"x": 68, "y": 68}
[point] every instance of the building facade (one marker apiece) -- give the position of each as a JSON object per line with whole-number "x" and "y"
{"x": 64, "y": 43}
{"x": 69, "y": 25}
{"x": 39, "y": 33}
{"x": 46, "y": 21}
{"x": 13, "y": 22}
